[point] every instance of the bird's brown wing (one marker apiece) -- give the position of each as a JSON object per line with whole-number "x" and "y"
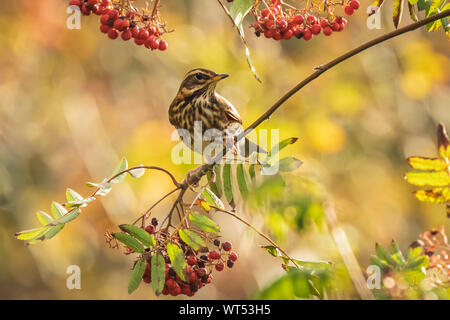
{"x": 230, "y": 111}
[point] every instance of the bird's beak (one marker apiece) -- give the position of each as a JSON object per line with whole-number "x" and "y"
{"x": 220, "y": 76}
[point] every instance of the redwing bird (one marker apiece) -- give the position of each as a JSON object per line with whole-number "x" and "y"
{"x": 197, "y": 100}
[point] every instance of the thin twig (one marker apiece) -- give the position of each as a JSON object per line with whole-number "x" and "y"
{"x": 248, "y": 224}
{"x": 156, "y": 203}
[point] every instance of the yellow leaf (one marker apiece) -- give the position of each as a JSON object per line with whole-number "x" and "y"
{"x": 435, "y": 179}
{"x": 422, "y": 163}
{"x": 437, "y": 195}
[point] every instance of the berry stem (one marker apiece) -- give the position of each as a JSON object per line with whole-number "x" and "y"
{"x": 248, "y": 224}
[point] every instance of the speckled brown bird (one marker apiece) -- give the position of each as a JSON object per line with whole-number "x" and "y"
{"x": 197, "y": 100}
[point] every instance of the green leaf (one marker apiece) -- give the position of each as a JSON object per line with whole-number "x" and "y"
{"x": 228, "y": 182}
{"x": 435, "y": 179}
{"x": 73, "y": 196}
{"x": 58, "y": 210}
{"x": 289, "y": 164}
{"x": 251, "y": 172}
{"x": 158, "y": 273}
{"x": 191, "y": 239}
{"x": 385, "y": 255}
{"x": 44, "y": 218}
{"x": 69, "y": 216}
{"x": 272, "y": 250}
{"x": 80, "y": 203}
{"x": 436, "y": 195}
{"x": 239, "y": 9}
{"x": 423, "y": 163}
{"x": 136, "y": 275}
{"x": 280, "y": 146}
{"x": 398, "y": 11}
{"x": 122, "y": 166}
{"x": 103, "y": 188}
{"x": 30, "y": 234}
{"x": 140, "y": 234}
{"x": 47, "y": 234}
{"x": 203, "y": 223}
{"x": 129, "y": 241}
{"x": 177, "y": 259}
{"x": 138, "y": 172}
{"x": 375, "y": 260}
{"x": 212, "y": 199}
{"x": 414, "y": 253}
{"x": 242, "y": 180}
{"x": 397, "y": 253}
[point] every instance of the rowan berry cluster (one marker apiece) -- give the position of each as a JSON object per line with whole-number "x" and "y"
{"x": 199, "y": 264}
{"x": 282, "y": 22}
{"x": 119, "y": 17}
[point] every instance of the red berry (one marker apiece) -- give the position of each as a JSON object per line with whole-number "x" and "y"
{"x": 265, "y": 12}
{"x": 277, "y": 35}
{"x": 126, "y": 35}
{"x": 191, "y": 260}
{"x": 170, "y": 283}
{"x": 307, "y": 35}
{"x": 175, "y": 290}
{"x": 233, "y": 255}
{"x": 150, "y": 228}
{"x": 327, "y": 31}
{"x": 227, "y": 244}
{"x": 75, "y": 3}
{"x": 335, "y": 26}
{"x": 324, "y": 23}
{"x": 92, "y": 2}
{"x": 113, "y": 14}
{"x": 192, "y": 277}
{"x": 311, "y": 19}
{"x": 135, "y": 32}
{"x": 349, "y": 10}
{"x": 354, "y": 4}
{"x": 104, "y": 19}
{"x": 315, "y": 29}
{"x": 282, "y": 24}
{"x": 113, "y": 33}
{"x": 286, "y": 36}
{"x": 270, "y": 24}
{"x": 143, "y": 34}
{"x": 104, "y": 28}
{"x": 220, "y": 266}
{"x": 125, "y": 24}
{"x": 343, "y": 21}
{"x": 213, "y": 255}
{"x": 298, "y": 19}
{"x": 139, "y": 42}
{"x": 163, "y": 45}
{"x": 117, "y": 24}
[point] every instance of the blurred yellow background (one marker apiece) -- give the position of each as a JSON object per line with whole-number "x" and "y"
{"x": 73, "y": 102}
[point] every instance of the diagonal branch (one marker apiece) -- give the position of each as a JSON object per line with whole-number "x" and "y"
{"x": 198, "y": 173}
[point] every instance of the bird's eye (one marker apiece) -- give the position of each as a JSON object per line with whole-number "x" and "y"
{"x": 201, "y": 76}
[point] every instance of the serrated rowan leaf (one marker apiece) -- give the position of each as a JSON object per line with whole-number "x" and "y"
{"x": 383, "y": 254}
{"x": 272, "y": 250}
{"x": 72, "y": 195}
{"x": 289, "y": 164}
{"x": 44, "y": 218}
{"x": 280, "y": 146}
{"x": 123, "y": 165}
{"x": 158, "y": 274}
{"x": 140, "y": 234}
{"x": 137, "y": 173}
{"x": 58, "y": 210}
{"x": 228, "y": 182}
{"x": 398, "y": 11}
{"x": 397, "y": 253}
{"x": 436, "y": 195}
{"x": 423, "y": 163}
{"x": 242, "y": 180}
{"x": 129, "y": 241}
{"x": 47, "y": 234}
{"x": 177, "y": 259}
{"x": 30, "y": 234}
{"x": 191, "y": 239}
{"x": 136, "y": 275}
{"x": 203, "y": 223}
{"x": 69, "y": 216}
{"x": 435, "y": 179}
{"x": 212, "y": 199}
{"x": 216, "y": 186}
